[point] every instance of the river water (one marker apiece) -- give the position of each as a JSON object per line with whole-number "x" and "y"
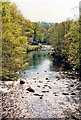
{"x": 40, "y": 65}
{"x": 54, "y": 96}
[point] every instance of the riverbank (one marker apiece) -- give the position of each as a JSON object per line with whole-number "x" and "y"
{"x": 19, "y": 102}
{"x": 62, "y": 61}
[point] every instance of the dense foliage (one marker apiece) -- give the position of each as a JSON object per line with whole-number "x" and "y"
{"x": 64, "y": 38}
{"x": 15, "y": 35}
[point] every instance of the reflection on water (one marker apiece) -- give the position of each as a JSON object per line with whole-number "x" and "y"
{"x": 38, "y": 57}
{"x": 39, "y": 62}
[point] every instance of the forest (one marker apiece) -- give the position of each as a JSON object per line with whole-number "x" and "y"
{"x": 20, "y": 35}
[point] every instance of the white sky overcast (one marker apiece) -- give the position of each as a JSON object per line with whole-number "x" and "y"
{"x": 48, "y": 10}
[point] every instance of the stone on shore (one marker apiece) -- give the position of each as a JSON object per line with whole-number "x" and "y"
{"x": 65, "y": 93}
{"x": 73, "y": 93}
{"x": 47, "y": 78}
{"x": 22, "y": 81}
{"x": 30, "y": 89}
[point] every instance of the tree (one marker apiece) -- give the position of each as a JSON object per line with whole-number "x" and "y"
{"x": 71, "y": 43}
{"x": 14, "y": 40}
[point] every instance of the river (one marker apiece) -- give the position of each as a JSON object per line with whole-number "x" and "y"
{"x": 55, "y": 95}
{"x": 40, "y": 64}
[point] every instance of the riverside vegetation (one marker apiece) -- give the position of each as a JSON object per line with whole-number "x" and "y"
{"x": 20, "y": 35}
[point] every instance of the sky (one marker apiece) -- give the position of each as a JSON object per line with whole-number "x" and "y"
{"x": 48, "y": 10}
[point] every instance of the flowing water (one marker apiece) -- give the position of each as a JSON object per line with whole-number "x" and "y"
{"x": 54, "y": 96}
{"x": 40, "y": 65}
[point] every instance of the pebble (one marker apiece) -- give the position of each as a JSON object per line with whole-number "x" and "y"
{"x": 38, "y": 86}
{"x": 65, "y": 93}
{"x": 45, "y": 91}
{"x": 34, "y": 78}
{"x": 41, "y": 97}
{"x": 40, "y": 81}
{"x": 58, "y": 77}
{"x": 37, "y": 72}
{"x": 47, "y": 78}
{"x": 37, "y": 94}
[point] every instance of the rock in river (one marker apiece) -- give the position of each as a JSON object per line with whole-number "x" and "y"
{"x": 44, "y": 91}
{"x": 72, "y": 85}
{"x": 58, "y": 78}
{"x": 37, "y": 72}
{"x": 65, "y": 93}
{"x": 73, "y": 94}
{"x": 41, "y": 97}
{"x": 34, "y": 78}
{"x": 37, "y": 94}
{"x": 30, "y": 89}
{"x": 47, "y": 78}
{"x": 22, "y": 81}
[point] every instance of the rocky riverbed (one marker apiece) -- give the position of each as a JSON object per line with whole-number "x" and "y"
{"x": 51, "y": 97}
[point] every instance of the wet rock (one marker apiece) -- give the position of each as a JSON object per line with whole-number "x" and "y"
{"x": 73, "y": 94}
{"x": 44, "y": 91}
{"x": 38, "y": 86}
{"x": 56, "y": 95}
{"x": 65, "y": 93}
{"x": 34, "y": 78}
{"x": 47, "y": 78}
{"x": 45, "y": 85}
{"x": 30, "y": 89}
{"x": 27, "y": 92}
{"x": 58, "y": 77}
{"x": 35, "y": 81}
{"x": 72, "y": 85}
{"x": 37, "y": 72}
{"x": 49, "y": 87}
{"x": 40, "y": 81}
{"x": 48, "y": 81}
{"x": 38, "y": 95}
{"x": 41, "y": 97}
{"x": 45, "y": 71}
{"x": 22, "y": 81}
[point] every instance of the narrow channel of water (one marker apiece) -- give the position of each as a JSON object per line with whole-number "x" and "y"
{"x": 40, "y": 64}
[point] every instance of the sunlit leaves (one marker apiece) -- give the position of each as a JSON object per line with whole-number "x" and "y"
{"x": 15, "y": 29}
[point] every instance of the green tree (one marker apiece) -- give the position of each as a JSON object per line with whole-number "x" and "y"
{"x": 71, "y": 43}
{"x": 14, "y": 40}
